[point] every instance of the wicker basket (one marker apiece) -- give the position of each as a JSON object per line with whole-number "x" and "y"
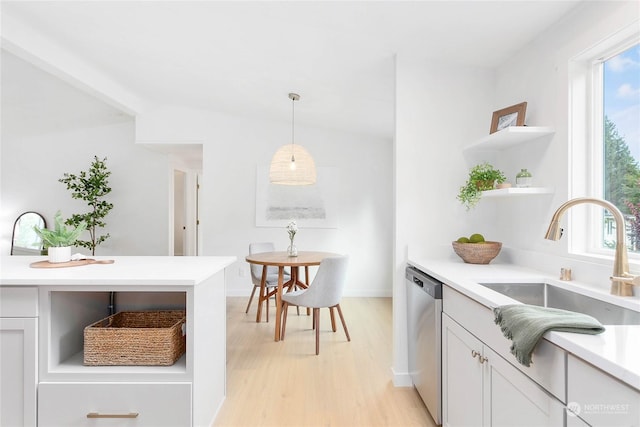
{"x": 136, "y": 338}
{"x": 477, "y": 253}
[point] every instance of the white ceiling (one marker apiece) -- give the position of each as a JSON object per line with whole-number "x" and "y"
{"x": 244, "y": 57}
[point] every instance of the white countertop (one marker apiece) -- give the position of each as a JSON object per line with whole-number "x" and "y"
{"x": 616, "y": 351}
{"x": 126, "y": 270}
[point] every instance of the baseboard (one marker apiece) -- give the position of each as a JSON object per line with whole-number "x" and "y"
{"x": 401, "y": 379}
{"x": 358, "y": 293}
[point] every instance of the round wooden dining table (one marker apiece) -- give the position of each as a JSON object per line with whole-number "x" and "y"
{"x": 281, "y": 260}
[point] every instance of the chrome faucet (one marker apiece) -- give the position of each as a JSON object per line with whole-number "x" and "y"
{"x": 621, "y": 281}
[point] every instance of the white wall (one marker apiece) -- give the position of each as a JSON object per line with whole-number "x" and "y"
{"x": 32, "y": 165}
{"x": 232, "y": 149}
{"x": 540, "y": 75}
{"x": 439, "y": 109}
{"x": 50, "y": 127}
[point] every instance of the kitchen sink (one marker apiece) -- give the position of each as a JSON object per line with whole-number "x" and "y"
{"x": 547, "y": 295}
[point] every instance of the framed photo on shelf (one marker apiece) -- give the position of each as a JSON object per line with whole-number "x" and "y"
{"x": 509, "y": 116}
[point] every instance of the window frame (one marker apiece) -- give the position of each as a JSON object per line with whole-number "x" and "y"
{"x": 586, "y": 131}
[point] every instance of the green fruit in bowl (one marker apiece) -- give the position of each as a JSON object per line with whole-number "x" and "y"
{"x": 476, "y": 238}
{"x": 463, "y": 240}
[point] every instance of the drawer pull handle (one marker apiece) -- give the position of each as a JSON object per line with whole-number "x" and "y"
{"x": 97, "y": 415}
{"x": 480, "y": 357}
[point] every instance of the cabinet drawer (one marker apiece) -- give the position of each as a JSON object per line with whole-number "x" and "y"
{"x": 156, "y": 404}
{"x": 600, "y": 399}
{"x": 18, "y": 302}
{"x": 548, "y": 367}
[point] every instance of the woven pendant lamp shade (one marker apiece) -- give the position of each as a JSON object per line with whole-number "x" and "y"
{"x": 281, "y": 171}
{"x": 292, "y": 164}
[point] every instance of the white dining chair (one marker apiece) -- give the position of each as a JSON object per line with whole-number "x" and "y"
{"x": 325, "y": 291}
{"x": 256, "y": 276}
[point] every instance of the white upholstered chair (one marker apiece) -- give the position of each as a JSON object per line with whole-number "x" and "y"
{"x": 256, "y": 277}
{"x": 325, "y": 291}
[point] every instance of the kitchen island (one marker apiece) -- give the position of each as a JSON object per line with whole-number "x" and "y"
{"x": 574, "y": 378}
{"x": 43, "y": 313}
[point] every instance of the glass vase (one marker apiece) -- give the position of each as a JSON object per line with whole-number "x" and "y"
{"x": 523, "y": 179}
{"x": 292, "y": 250}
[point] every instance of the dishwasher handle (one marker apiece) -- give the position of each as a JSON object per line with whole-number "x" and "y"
{"x": 428, "y": 284}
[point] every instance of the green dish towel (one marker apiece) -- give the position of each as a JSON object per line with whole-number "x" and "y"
{"x": 526, "y": 324}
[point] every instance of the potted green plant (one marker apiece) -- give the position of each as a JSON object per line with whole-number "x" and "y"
{"x": 92, "y": 186}
{"x": 60, "y": 239}
{"x": 482, "y": 177}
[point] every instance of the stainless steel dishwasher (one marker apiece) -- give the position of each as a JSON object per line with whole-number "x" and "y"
{"x": 424, "y": 326}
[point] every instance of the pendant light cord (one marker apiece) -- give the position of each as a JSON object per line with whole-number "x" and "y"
{"x": 293, "y": 126}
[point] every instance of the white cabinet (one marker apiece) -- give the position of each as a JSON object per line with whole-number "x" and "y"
{"x": 600, "y": 399}
{"x": 549, "y": 368}
{"x": 513, "y": 396}
{"x": 43, "y": 380}
{"x": 187, "y": 393}
{"x": 115, "y": 404}
{"x": 462, "y": 376}
{"x": 18, "y": 367}
{"x": 18, "y": 356}
{"x": 480, "y": 388}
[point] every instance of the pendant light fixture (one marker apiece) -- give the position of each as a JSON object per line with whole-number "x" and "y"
{"x": 292, "y": 164}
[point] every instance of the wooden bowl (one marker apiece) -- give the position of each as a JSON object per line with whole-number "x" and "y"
{"x": 477, "y": 253}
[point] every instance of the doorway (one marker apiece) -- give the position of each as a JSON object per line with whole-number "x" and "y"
{"x": 179, "y": 216}
{"x": 184, "y": 175}
{"x": 186, "y": 224}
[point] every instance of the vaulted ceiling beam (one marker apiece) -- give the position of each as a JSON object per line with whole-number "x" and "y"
{"x": 27, "y": 43}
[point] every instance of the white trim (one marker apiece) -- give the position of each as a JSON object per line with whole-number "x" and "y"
{"x": 401, "y": 379}
{"x": 586, "y": 128}
{"x": 370, "y": 293}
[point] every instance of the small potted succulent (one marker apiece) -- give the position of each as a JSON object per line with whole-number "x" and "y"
{"x": 482, "y": 177}
{"x": 60, "y": 239}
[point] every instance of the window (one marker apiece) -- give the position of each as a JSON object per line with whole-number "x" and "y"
{"x": 605, "y": 143}
{"x": 620, "y": 144}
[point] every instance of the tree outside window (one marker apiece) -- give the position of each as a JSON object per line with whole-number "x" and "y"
{"x": 621, "y": 143}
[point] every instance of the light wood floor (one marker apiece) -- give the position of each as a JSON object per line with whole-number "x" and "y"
{"x": 285, "y": 384}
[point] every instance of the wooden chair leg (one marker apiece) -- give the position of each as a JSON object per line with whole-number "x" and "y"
{"x": 250, "y": 299}
{"x": 267, "y": 301}
{"x": 306, "y": 281}
{"x": 333, "y": 319}
{"x": 285, "y": 306}
{"x": 344, "y": 325}
{"x": 316, "y": 315}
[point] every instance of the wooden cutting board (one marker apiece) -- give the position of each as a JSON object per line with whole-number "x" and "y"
{"x": 47, "y": 264}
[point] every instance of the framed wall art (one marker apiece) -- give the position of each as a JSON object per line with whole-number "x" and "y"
{"x": 312, "y": 206}
{"x": 509, "y": 116}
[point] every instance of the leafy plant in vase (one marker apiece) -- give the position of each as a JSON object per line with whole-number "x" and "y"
{"x": 482, "y": 177}
{"x": 59, "y": 240}
{"x": 92, "y": 187}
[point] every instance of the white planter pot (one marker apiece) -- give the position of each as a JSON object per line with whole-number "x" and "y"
{"x": 60, "y": 254}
